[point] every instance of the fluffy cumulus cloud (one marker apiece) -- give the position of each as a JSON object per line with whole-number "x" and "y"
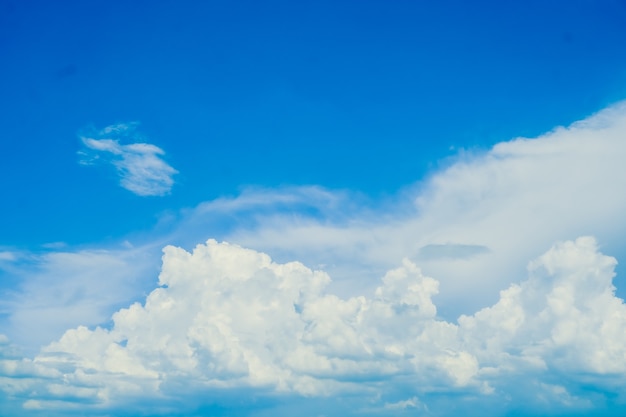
{"x": 227, "y": 320}
{"x": 140, "y": 166}
{"x": 433, "y": 308}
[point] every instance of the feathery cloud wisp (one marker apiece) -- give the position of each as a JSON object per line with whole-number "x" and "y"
{"x": 139, "y": 165}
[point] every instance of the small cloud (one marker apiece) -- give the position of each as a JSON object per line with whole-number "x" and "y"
{"x": 403, "y": 405}
{"x": 451, "y": 251}
{"x": 139, "y": 165}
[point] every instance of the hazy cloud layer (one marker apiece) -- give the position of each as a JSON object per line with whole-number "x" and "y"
{"x": 139, "y": 165}
{"x": 227, "y": 319}
{"x": 58, "y": 290}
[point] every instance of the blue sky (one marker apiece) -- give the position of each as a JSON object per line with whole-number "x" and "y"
{"x": 380, "y": 146}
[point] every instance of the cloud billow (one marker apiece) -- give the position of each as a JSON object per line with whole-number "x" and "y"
{"x": 139, "y": 165}
{"x": 225, "y": 318}
{"x": 232, "y": 328}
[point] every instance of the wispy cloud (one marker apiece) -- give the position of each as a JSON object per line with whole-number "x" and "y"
{"x": 139, "y": 165}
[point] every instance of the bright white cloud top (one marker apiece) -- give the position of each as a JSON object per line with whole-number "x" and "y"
{"x": 443, "y": 313}
{"x": 139, "y": 165}
{"x": 227, "y": 318}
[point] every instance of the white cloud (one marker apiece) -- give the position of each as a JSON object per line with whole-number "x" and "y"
{"x": 470, "y": 224}
{"x": 403, "y": 405}
{"x": 139, "y": 165}
{"x": 227, "y": 318}
{"x": 564, "y": 317}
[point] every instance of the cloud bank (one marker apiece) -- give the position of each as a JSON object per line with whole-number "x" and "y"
{"x": 139, "y": 165}
{"x": 473, "y": 224}
{"x": 460, "y": 322}
{"x": 229, "y": 321}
